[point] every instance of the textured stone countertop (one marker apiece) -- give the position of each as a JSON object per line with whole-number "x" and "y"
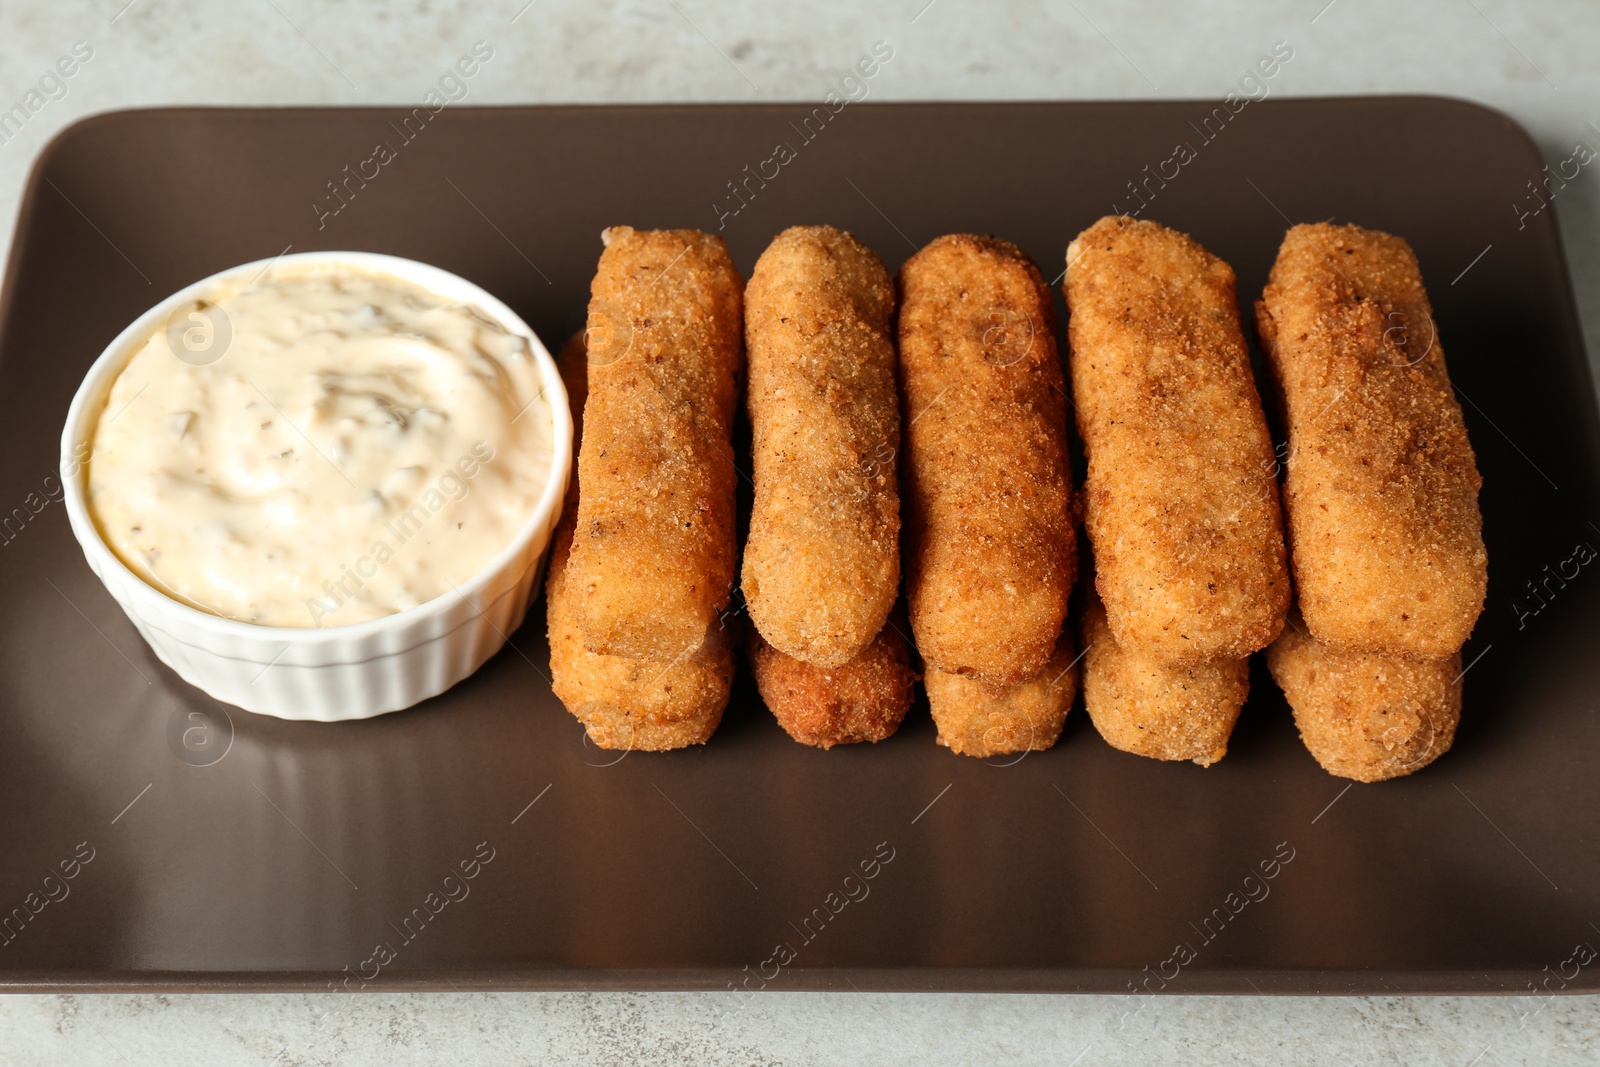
{"x": 1535, "y": 61}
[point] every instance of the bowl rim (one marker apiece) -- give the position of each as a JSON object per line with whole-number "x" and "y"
{"x": 94, "y": 391}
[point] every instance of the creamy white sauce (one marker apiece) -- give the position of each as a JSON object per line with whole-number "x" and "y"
{"x": 359, "y": 447}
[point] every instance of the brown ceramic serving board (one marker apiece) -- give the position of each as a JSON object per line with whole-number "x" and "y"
{"x": 231, "y": 851}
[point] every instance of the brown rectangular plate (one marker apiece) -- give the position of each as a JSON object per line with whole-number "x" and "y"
{"x": 231, "y": 851}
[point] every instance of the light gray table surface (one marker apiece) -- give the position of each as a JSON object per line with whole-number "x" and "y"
{"x": 1535, "y": 61}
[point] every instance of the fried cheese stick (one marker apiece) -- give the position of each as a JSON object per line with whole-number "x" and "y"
{"x": 822, "y": 561}
{"x": 1365, "y": 716}
{"x": 1382, "y": 485}
{"x": 1180, "y": 497}
{"x": 864, "y": 700}
{"x": 1144, "y": 705}
{"x": 628, "y": 703}
{"x": 991, "y": 550}
{"x": 625, "y": 703}
{"x": 654, "y": 551}
{"x": 978, "y": 719}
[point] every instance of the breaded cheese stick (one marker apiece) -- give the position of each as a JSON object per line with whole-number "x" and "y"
{"x": 864, "y": 700}
{"x": 1382, "y": 485}
{"x": 822, "y": 561}
{"x": 978, "y": 719}
{"x": 1365, "y": 716}
{"x": 1144, "y": 705}
{"x": 625, "y": 703}
{"x": 628, "y": 703}
{"x": 991, "y": 550}
{"x": 654, "y": 550}
{"x": 1180, "y": 497}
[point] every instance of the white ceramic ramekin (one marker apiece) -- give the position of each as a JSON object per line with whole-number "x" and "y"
{"x": 337, "y": 672}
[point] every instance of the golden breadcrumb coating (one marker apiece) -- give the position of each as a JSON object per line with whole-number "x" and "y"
{"x": 654, "y": 553}
{"x": 991, "y": 549}
{"x": 978, "y": 719}
{"x": 1382, "y": 486}
{"x": 822, "y": 561}
{"x": 864, "y": 700}
{"x": 1149, "y": 707}
{"x": 625, "y": 703}
{"x": 1180, "y": 496}
{"x": 1365, "y": 716}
